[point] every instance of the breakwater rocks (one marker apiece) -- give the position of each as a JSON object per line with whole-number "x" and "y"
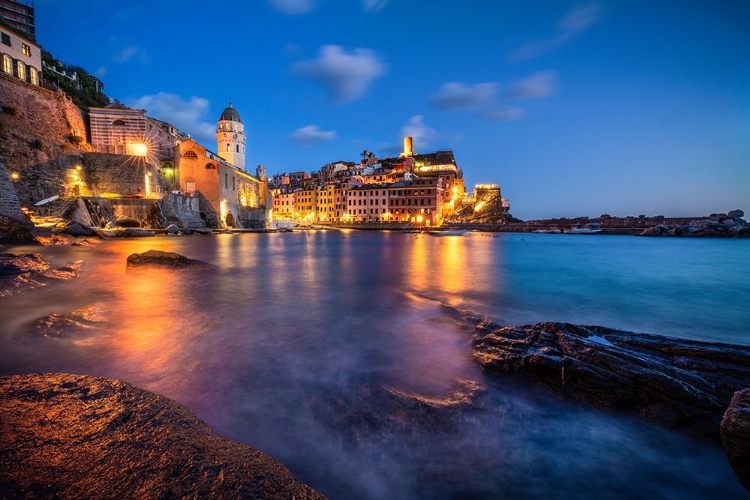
{"x": 680, "y": 383}
{"x": 717, "y": 225}
{"x": 76, "y": 436}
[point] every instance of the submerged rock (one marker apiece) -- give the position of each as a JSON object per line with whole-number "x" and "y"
{"x": 164, "y": 259}
{"x": 24, "y": 271}
{"x": 682, "y": 383}
{"x": 77, "y": 436}
{"x": 735, "y": 435}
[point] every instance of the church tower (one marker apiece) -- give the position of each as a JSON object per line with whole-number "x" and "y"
{"x": 231, "y": 137}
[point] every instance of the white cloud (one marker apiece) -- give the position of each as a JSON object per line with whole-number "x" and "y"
{"x": 577, "y": 20}
{"x": 101, "y": 72}
{"x": 453, "y": 95}
{"x": 346, "y": 75}
{"x": 374, "y": 4}
{"x": 421, "y": 134}
{"x": 312, "y": 133}
{"x": 504, "y": 114}
{"x": 293, "y": 7}
{"x": 130, "y": 52}
{"x": 187, "y": 115}
{"x": 540, "y": 84}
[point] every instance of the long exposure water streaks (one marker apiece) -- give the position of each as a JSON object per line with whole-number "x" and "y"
{"x": 340, "y": 353}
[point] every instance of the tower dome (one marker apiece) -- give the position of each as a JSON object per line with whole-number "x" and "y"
{"x": 230, "y": 114}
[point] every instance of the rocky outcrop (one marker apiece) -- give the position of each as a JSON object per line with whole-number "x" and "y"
{"x": 680, "y": 383}
{"x": 164, "y": 259}
{"x": 717, "y": 225}
{"x": 76, "y": 436}
{"x": 735, "y": 435}
{"x": 23, "y": 271}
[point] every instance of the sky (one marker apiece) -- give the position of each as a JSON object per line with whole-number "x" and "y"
{"x": 623, "y": 107}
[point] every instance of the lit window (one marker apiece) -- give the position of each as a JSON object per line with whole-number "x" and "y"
{"x": 34, "y": 75}
{"x": 21, "y": 70}
{"x": 26, "y": 49}
{"x": 7, "y": 64}
{"x": 190, "y": 154}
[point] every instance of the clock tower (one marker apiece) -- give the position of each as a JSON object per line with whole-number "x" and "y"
{"x": 231, "y": 137}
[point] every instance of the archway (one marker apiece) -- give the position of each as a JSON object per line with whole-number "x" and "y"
{"x": 230, "y": 220}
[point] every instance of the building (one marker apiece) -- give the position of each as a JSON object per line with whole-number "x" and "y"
{"x": 18, "y": 15}
{"x": 230, "y": 137}
{"x": 21, "y": 57}
{"x": 117, "y": 129}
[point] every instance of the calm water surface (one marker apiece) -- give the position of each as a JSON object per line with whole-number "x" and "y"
{"x": 314, "y": 347}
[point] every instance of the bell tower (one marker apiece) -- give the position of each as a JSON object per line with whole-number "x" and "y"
{"x": 230, "y": 137}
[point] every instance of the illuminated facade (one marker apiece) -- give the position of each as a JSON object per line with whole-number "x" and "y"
{"x": 21, "y": 57}
{"x": 118, "y": 130}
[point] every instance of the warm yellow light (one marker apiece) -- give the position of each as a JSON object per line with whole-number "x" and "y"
{"x": 455, "y": 190}
{"x": 140, "y": 150}
{"x": 15, "y": 176}
{"x": 419, "y": 218}
{"x": 78, "y": 167}
{"x": 478, "y": 206}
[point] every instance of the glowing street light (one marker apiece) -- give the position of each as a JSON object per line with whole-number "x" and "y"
{"x": 139, "y": 150}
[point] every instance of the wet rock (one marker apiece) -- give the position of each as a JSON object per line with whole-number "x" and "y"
{"x": 680, "y": 383}
{"x": 172, "y": 229}
{"x": 164, "y": 259}
{"x": 137, "y": 233}
{"x": 16, "y": 229}
{"x": 76, "y": 436}
{"x": 736, "y": 213}
{"x": 735, "y": 435}
{"x": 20, "y": 272}
{"x": 65, "y": 325}
{"x": 186, "y": 231}
{"x": 75, "y": 229}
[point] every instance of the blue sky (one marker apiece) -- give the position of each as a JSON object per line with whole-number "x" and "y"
{"x": 574, "y": 108}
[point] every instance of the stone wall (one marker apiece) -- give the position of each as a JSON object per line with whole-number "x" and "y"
{"x": 37, "y": 125}
{"x": 120, "y": 174}
{"x": 183, "y": 211}
{"x": 9, "y": 204}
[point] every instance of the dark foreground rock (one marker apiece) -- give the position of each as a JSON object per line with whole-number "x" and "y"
{"x": 164, "y": 259}
{"x": 681, "y": 383}
{"x": 735, "y": 435}
{"x": 24, "y": 271}
{"x": 76, "y": 436}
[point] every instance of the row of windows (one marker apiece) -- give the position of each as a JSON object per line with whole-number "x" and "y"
{"x": 400, "y": 192}
{"x": 24, "y": 48}
{"x": 19, "y": 70}
{"x": 229, "y": 148}
{"x": 403, "y": 201}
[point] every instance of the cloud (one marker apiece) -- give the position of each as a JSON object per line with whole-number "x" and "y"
{"x": 101, "y": 72}
{"x": 130, "y": 52}
{"x": 453, "y": 95}
{"x": 421, "y": 134}
{"x": 374, "y": 4}
{"x": 187, "y": 115}
{"x": 504, "y": 114}
{"x": 293, "y": 7}
{"x": 577, "y": 20}
{"x": 540, "y": 84}
{"x": 347, "y": 76}
{"x": 312, "y": 133}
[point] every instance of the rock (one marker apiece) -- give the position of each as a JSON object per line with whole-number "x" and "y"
{"x": 76, "y": 436}
{"x": 16, "y": 229}
{"x": 681, "y": 383}
{"x": 735, "y": 435}
{"x": 104, "y": 233}
{"x": 164, "y": 259}
{"x": 186, "y": 231}
{"x": 172, "y": 229}
{"x": 137, "y": 233}
{"x": 77, "y": 229}
{"x": 652, "y": 231}
{"x": 736, "y": 213}
{"x": 23, "y": 271}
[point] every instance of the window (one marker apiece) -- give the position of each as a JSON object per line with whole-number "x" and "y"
{"x": 190, "y": 154}
{"x": 6, "y": 39}
{"x": 118, "y": 123}
{"x": 26, "y": 49}
{"x": 34, "y": 75}
{"x": 7, "y": 64}
{"x": 209, "y": 166}
{"x": 21, "y": 70}
{"x": 238, "y": 148}
{"x": 226, "y": 181}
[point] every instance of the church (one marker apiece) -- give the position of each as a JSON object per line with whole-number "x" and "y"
{"x": 235, "y": 197}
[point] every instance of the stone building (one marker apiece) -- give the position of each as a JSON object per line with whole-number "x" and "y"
{"x": 118, "y": 130}
{"x": 230, "y": 137}
{"x": 21, "y": 58}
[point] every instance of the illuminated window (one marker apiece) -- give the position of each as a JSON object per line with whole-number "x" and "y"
{"x": 21, "y": 70}
{"x": 26, "y": 49}
{"x": 7, "y": 64}
{"x": 34, "y": 75}
{"x": 190, "y": 154}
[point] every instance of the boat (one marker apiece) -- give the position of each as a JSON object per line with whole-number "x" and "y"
{"x": 590, "y": 228}
{"x": 552, "y": 230}
{"x": 448, "y": 232}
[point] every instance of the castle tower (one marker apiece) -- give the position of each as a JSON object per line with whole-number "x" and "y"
{"x": 231, "y": 137}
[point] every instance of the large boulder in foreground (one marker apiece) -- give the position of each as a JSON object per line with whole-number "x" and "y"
{"x": 164, "y": 259}
{"x": 76, "y": 436}
{"x": 735, "y": 435}
{"x": 682, "y": 383}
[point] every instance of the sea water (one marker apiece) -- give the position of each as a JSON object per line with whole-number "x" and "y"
{"x": 311, "y": 345}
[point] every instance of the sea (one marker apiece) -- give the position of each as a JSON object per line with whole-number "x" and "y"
{"x": 346, "y": 355}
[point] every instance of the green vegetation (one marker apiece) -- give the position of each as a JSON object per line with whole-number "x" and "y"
{"x": 86, "y": 91}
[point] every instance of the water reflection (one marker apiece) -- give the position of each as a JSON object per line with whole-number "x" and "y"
{"x": 336, "y": 353}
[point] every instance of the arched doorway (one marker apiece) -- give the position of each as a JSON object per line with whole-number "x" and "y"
{"x": 230, "y": 220}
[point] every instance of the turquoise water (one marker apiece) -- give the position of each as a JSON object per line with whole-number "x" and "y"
{"x": 313, "y": 346}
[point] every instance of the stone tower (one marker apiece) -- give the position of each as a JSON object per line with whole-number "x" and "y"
{"x": 231, "y": 137}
